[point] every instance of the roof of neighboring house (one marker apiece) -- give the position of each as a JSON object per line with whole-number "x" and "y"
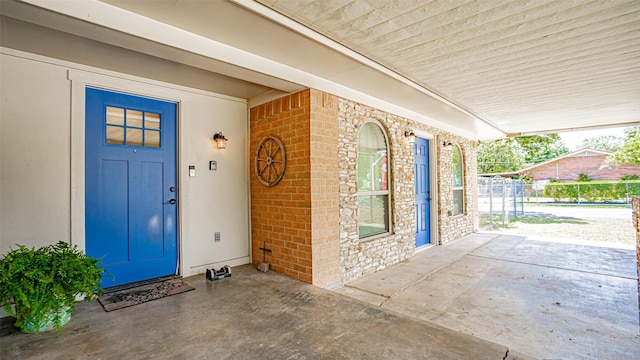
{"x": 567, "y": 155}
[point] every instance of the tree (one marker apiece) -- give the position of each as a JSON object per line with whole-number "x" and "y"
{"x": 629, "y": 153}
{"x": 511, "y": 154}
{"x": 539, "y": 148}
{"x": 603, "y": 142}
{"x": 631, "y": 131}
{"x": 498, "y": 156}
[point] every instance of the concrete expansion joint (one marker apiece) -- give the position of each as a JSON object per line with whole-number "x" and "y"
{"x": 483, "y": 244}
{"x": 367, "y": 291}
{"x": 554, "y": 267}
{"x": 421, "y": 279}
{"x": 430, "y": 274}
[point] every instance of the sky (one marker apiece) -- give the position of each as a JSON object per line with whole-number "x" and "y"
{"x": 573, "y": 138}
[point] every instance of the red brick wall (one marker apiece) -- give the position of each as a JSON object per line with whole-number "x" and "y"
{"x": 281, "y": 214}
{"x": 569, "y": 168}
{"x": 325, "y": 206}
{"x": 298, "y": 219}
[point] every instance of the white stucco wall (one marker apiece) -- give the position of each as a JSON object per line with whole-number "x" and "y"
{"x": 34, "y": 153}
{"x": 42, "y": 159}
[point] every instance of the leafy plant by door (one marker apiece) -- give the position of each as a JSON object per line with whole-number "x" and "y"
{"x": 39, "y": 286}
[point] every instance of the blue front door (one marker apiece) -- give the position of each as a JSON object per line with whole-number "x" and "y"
{"x": 130, "y": 185}
{"x": 423, "y": 197}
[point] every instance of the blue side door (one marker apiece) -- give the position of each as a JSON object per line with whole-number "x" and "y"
{"x": 130, "y": 185}
{"x": 423, "y": 197}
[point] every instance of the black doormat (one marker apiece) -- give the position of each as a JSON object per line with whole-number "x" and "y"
{"x": 141, "y": 294}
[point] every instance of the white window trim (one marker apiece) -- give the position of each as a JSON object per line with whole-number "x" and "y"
{"x": 376, "y": 192}
{"x": 462, "y": 177}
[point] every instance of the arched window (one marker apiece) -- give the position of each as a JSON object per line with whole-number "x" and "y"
{"x": 373, "y": 181}
{"x": 458, "y": 181}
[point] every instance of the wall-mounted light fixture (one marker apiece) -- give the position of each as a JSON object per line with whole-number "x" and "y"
{"x": 447, "y": 145}
{"x": 220, "y": 140}
{"x": 409, "y": 134}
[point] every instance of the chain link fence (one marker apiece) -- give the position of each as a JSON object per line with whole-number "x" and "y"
{"x": 600, "y": 192}
{"x": 499, "y": 200}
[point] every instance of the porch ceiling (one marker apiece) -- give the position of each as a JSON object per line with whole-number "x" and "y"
{"x": 481, "y": 69}
{"x": 524, "y": 66}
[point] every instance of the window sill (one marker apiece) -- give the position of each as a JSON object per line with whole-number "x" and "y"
{"x": 374, "y": 237}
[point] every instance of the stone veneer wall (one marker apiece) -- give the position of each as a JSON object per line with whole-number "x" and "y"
{"x": 636, "y": 225}
{"x": 453, "y": 227}
{"x": 358, "y": 257}
{"x": 310, "y": 219}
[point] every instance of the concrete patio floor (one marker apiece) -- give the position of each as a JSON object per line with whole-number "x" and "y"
{"x": 250, "y": 315}
{"x": 547, "y": 300}
{"x": 485, "y": 296}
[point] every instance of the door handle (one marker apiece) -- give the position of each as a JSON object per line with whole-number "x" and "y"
{"x": 172, "y": 202}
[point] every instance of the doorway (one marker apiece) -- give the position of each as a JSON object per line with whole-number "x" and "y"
{"x": 422, "y": 191}
{"x": 130, "y": 185}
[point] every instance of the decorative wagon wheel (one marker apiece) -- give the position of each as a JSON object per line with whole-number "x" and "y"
{"x": 270, "y": 161}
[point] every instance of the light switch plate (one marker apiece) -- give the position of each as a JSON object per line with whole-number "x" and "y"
{"x": 213, "y": 165}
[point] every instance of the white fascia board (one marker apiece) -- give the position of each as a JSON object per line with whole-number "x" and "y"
{"x": 122, "y": 20}
{"x": 291, "y": 24}
{"x": 483, "y": 129}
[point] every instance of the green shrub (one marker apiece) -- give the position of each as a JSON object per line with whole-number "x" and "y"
{"x": 583, "y": 177}
{"x": 593, "y": 191}
{"x": 630, "y": 177}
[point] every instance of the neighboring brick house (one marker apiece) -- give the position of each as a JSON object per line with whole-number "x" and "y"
{"x": 569, "y": 166}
